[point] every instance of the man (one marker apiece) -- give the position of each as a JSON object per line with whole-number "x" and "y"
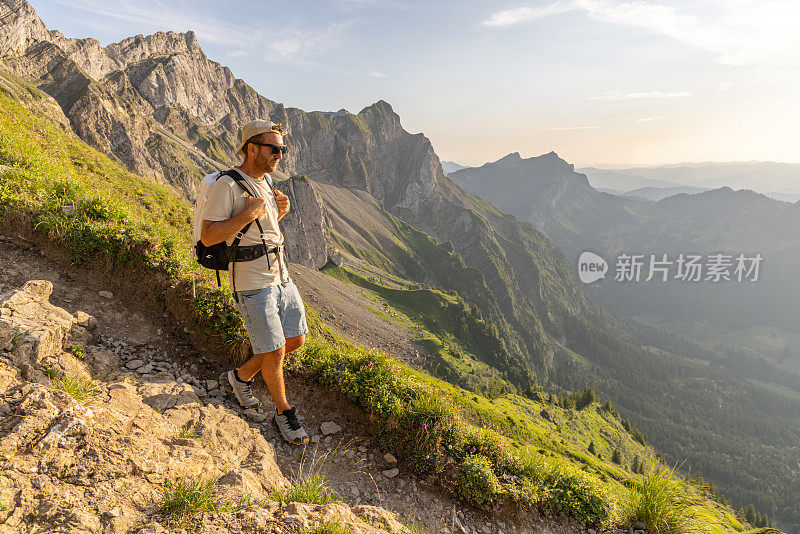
{"x": 266, "y": 297}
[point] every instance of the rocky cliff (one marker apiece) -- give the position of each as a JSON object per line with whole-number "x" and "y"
{"x": 304, "y": 232}
{"x": 89, "y": 442}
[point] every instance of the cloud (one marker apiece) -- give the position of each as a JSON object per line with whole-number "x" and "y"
{"x": 647, "y": 119}
{"x": 288, "y": 45}
{"x": 739, "y": 32}
{"x": 175, "y": 16}
{"x": 563, "y": 128}
{"x": 635, "y": 96}
{"x": 355, "y": 4}
{"x": 379, "y": 74}
{"x": 523, "y": 14}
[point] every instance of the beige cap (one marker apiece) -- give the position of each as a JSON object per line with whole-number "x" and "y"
{"x": 253, "y": 128}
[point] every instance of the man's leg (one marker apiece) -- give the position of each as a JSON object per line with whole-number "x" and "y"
{"x": 271, "y": 366}
{"x": 272, "y": 372}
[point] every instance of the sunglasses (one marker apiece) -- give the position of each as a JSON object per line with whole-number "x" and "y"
{"x": 276, "y": 149}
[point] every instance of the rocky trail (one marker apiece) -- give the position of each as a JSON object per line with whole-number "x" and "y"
{"x": 159, "y": 415}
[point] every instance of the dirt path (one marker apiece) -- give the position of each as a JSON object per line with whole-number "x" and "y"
{"x": 353, "y": 465}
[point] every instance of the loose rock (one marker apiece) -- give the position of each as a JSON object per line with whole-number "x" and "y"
{"x": 134, "y": 364}
{"x": 329, "y": 427}
{"x": 391, "y": 473}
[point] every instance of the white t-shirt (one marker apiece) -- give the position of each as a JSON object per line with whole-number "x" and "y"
{"x": 225, "y": 199}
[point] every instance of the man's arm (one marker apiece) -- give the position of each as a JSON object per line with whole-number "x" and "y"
{"x": 214, "y": 232}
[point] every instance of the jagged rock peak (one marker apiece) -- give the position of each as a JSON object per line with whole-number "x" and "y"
{"x": 381, "y": 106}
{"x": 20, "y": 26}
{"x": 513, "y": 157}
{"x": 381, "y": 117}
{"x": 159, "y": 44}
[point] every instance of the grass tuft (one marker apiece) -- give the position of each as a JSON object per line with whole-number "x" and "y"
{"x": 329, "y": 527}
{"x": 184, "y": 498}
{"x": 661, "y": 501}
{"x": 309, "y": 483}
{"x": 79, "y": 388}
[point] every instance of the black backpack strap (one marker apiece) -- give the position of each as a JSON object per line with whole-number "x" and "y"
{"x": 236, "y": 177}
{"x": 239, "y": 180}
{"x": 232, "y": 255}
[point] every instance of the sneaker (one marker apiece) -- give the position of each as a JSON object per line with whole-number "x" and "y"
{"x": 243, "y": 391}
{"x": 291, "y": 429}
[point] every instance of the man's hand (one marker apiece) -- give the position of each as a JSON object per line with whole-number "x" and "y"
{"x": 283, "y": 203}
{"x": 255, "y": 207}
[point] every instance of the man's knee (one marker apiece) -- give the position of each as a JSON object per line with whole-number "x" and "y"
{"x": 273, "y": 358}
{"x": 294, "y": 343}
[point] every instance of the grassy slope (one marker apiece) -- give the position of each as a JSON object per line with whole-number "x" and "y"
{"x": 73, "y": 195}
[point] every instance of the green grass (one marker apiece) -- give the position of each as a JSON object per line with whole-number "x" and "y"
{"x": 183, "y": 498}
{"x": 310, "y": 481}
{"x": 466, "y": 348}
{"x": 329, "y": 527}
{"x": 79, "y": 388}
{"x": 187, "y": 432}
{"x": 664, "y": 503}
{"x": 127, "y": 221}
{"x": 419, "y": 420}
{"x": 312, "y": 489}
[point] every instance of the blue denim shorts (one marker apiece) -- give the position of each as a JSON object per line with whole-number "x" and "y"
{"x": 272, "y": 314}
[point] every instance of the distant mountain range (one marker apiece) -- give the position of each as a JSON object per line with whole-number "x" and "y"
{"x": 547, "y": 192}
{"x": 451, "y": 166}
{"x": 780, "y": 181}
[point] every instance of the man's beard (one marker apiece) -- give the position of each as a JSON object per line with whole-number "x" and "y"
{"x": 264, "y": 164}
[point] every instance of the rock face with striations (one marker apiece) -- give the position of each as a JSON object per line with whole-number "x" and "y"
{"x": 304, "y": 235}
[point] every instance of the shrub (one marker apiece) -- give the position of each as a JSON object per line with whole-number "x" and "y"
{"x": 473, "y": 440}
{"x": 572, "y": 494}
{"x": 477, "y": 483}
{"x": 660, "y": 502}
{"x": 426, "y": 424}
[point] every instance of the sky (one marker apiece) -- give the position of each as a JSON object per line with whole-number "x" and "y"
{"x": 597, "y": 81}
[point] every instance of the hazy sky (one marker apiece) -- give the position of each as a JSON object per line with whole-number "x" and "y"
{"x": 598, "y": 81}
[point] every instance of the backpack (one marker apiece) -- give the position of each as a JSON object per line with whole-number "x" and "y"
{"x": 217, "y": 257}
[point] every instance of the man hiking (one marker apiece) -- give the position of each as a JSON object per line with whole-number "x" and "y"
{"x": 266, "y": 297}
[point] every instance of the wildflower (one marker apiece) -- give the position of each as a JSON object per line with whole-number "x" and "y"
{"x": 424, "y": 426}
